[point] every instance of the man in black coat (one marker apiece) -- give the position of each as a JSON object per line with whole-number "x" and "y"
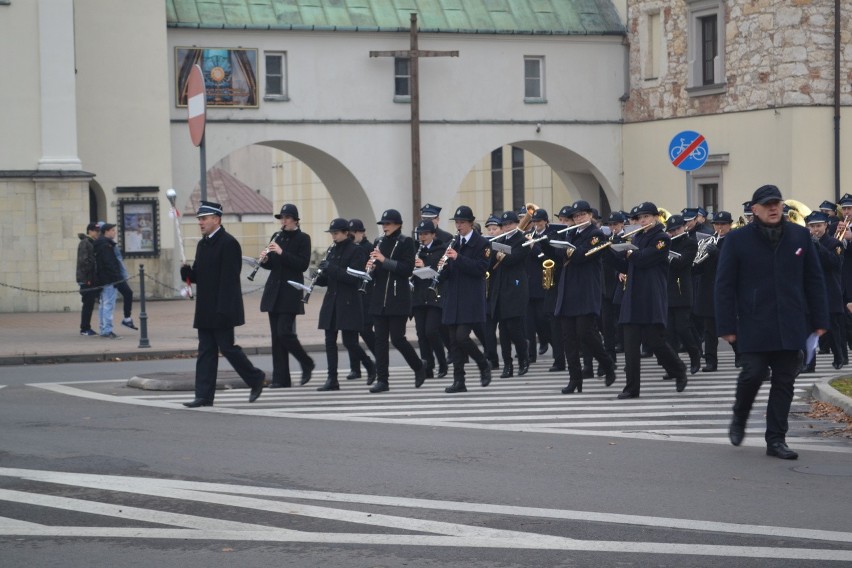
{"x": 108, "y": 270}
{"x": 508, "y": 296}
{"x": 86, "y": 275}
{"x": 462, "y": 272}
{"x": 341, "y": 307}
{"x": 357, "y": 232}
{"x": 830, "y": 252}
{"x": 704, "y": 268}
{"x": 218, "y": 307}
{"x": 681, "y": 257}
{"x": 426, "y": 302}
{"x": 770, "y": 296}
{"x": 286, "y": 258}
{"x": 391, "y": 264}
{"x": 645, "y": 306}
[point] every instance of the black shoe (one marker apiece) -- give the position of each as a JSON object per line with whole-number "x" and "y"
{"x": 680, "y": 384}
{"x": 809, "y": 368}
{"x": 198, "y": 402}
{"x": 667, "y": 377}
{"x": 484, "y": 377}
{"x": 494, "y": 364}
{"x": 429, "y": 372}
{"x": 508, "y": 371}
{"x": 780, "y": 450}
{"x": 555, "y": 368}
{"x": 442, "y": 371}
{"x": 623, "y": 395}
{"x": 619, "y": 348}
{"x": 353, "y": 375}
{"x": 588, "y": 372}
{"x": 89, "y": 333}
{"x": 370, "y": 365}
{"x": 279, "y": 386}
{"x": 523, "y": 368}
{"x": 646, "y": 354}
{"x": 330, "y": 385}
{"x": 736, "y": 431}
{"x": 128, "y": 322}
{"x": 573, "y": 386}
{"x": 380, "y": 386}
{"x": 824, "y": 350}
{"x": 694, "y": 364}
{"x": 737, "y": 362}
{"x": 601, "y": 371}
{"x": 255, "y": 392}
{"x": 457, "y": 386}
{"x": 419, "y": 377}
{"x": 533, "y": 358}
{"x": 306, "y": 372}
{"x": 542, "y": 349}
{"x": 709, "y": 368}
{"x": 610, "y": 376}
{"x": 837, "y": 365}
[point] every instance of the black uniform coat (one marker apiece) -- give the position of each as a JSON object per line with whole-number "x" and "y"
{"x": 391, "y": 292}
{"x": 558, "y": 257}
{"x": 463, "y": 295}
{"x": 216, "y": 273}
{"x": 581, "y": 284}
{"x": 645, "y": 299}
{"x": 442, "y": 235}
{"x": 831, "y": 254}
{"x": 534, "y": 268}
{"x": 422, "y": 295}
{"x": 107, "y": 267}
{"x": 278, "y": 296}
{"x": 680, "y": 271}
{"x": 705, "y": 281}
{"x": 771, "y": 299}
{"x": 341, "y": 308}
{"x": 509, "y": 295}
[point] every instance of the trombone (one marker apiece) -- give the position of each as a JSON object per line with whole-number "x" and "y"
{"x": 531, "y": 242}
{"x": 611, "y": 242}
{"x": 842, "y": 226}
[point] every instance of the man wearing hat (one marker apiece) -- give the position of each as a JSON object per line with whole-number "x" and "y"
{"x": 391, "y": 264}
{"x": 341, "y": 307}
{"x": 679, "y": 330}
{"x": 86, "y": 275}
{"x": 508, "y": 296}
{"x": 538, "y": 319}
{"x": 108, "y": 270}
{"x": 218, "y": 307}
{"x": 432, "y": 213}
{"x": 286, "y": 258}
{"x": 749, "y": 216}
{"x": 644, "y": 309}
{"x": 426, "y": 302}
{"x": 488, "y": 330}
{"x": 701, "y": 224}
{"x": 831, "y": 253}
{"x": 770, "y": 296}
{"x": 358, "y": 233}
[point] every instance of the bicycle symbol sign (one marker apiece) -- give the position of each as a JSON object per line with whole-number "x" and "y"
{"x": 688, "y": 150}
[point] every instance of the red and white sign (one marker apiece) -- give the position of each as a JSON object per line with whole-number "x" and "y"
{"x": 196, "y": 104}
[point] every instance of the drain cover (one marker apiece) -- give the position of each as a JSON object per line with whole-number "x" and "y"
{"x": 829, "y": 470}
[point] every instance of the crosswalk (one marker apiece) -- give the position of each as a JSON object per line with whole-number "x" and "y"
{"x": 534, "y": 403}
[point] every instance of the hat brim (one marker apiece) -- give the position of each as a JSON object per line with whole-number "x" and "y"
{"x": 280, "y": 216}
{"x": 205, "y": 214}
{"x": 766, "y": 200}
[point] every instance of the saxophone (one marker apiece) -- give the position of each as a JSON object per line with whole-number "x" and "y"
{"x": 547, "y": 274}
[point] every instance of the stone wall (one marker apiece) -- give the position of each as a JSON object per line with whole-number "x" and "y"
{"x": 778, "y": 53}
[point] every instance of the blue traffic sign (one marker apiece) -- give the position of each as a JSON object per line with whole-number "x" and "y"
{"x": 688, "y": 150}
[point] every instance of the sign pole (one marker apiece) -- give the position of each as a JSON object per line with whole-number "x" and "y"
{"x": 203, "y": 153}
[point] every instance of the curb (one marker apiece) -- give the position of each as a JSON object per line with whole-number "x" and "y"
{"x": 824, "y": 392}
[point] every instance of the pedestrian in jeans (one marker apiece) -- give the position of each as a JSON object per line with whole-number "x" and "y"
{"x": 108, "y": 273}
{"x": 86, "y": 277}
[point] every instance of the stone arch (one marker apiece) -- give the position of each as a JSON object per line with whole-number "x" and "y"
{"x": 97, "y": 202}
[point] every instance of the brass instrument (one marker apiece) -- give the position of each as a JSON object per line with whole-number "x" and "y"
{"x": 663, "y": 215}
{"x": 310, "y": 289}
{"x": 262, "y": 258}
{"x": 703, "y": 254}
{"x": 611, "y": 242}
{"x": 527, "y": 218}
{"x": 547, "y": 274}
{"x": 841, "y": 228}
{"x": 797, "y": 211}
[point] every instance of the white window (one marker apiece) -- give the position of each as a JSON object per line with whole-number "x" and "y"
{"x": 534, "y": 80}
{"x": 706, "y": 47}
{"x": 402, "y": 79}
{"x": 276, "y": 76}
{"x": 705, "y": 184}
{"x": 652, "y": 46}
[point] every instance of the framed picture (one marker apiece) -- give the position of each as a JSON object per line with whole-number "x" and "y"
{"x": 230, "y": 75}
{"x": 139, "y": 228}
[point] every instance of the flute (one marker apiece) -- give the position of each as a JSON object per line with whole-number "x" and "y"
{"x": 262, "y": 258}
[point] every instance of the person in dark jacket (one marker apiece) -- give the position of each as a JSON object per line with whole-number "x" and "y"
{"x": 426, "y": 302}
{"x": 391, "y": 264}
{"x": 538, "y": 320}
{"x": 341, "y": 307}
{"x": 432, "y": 213}
{"x": 831, "y": 253}
{"x": 489, "y": 328}
{"x": 357, "y": 232}
{"x": 108, "y": 271}
{"x": 645, "y": 306}
{"x": 845, "y": 233}
{"x": 681, "y": 257}
{"x": 286, "y": 258}
{"x": 611, "y": 284}
{"x": 218, "y": 307}
{"x": 86, "y": 276}
{"x": 704, "y": 269}
{"x": 462, "y": 272}
{"x": 770, "y": 296}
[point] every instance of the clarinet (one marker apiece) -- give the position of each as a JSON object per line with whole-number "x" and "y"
{"x": 261, "y": 259}
{"x": 363, "y": 287}
{"x": 416, "y": 256}
{"x": 307, "y": 297}
{"x": 442, "y": 263}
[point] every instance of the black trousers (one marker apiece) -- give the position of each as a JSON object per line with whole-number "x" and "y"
{"x": 88, "y": 297}
{"x": 127, "y": 296}
{"x": 285, "y": 342}
{"x": 427, "y": 321}
{"x": 711, "y": 340}
{"x": 785, "y": 367}
{"x": 581, "y": 333}
{"x": 679, "y": 332}
{"x": 609, "y": 321}
{"x": 462, "y": 346}
{"x": 489, "y": 337}
{"x": 538, "y": 325}
{"x": 391, "y": 329}
{"x": 211, "y": 342}
{"x": 653, "y": 336}
{"x": 836, "y": 338}
{"x": 512, "y": 333}
{"x": 557, "y": 342}
{"x": 357, "y": 355}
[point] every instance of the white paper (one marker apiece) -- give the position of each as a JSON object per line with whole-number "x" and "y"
{"x": 359, "y": 274}
{"x": 619, "y": 247}
{"x": 299, "y": 286}
{"x": 562, "y": 245}
{"x": 425, "y": 273}
{"x": 500, "y": 247}
{"x": 811, "y": 347}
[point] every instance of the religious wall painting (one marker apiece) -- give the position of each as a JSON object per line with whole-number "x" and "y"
{"x": 230, "y": 75}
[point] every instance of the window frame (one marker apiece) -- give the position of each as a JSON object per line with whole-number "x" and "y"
{"x": 652, "y": 48}
{"x": 697, "y": 13}
{"x": 541, "y": 98}
{"x": 397, "y": 97}
{"x": 284, "y": 95}
{"x": 709, "y": 174}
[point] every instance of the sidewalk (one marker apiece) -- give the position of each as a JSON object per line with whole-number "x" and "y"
{"x": 30, "y": 338}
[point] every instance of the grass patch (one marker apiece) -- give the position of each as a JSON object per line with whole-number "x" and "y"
{"x": 843, "y": 385}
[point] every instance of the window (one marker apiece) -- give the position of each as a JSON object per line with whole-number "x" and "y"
{"x": 497, "y": 179}
{"x": 706, "y": 45}
{"x": 402, "y": 79}
{"x": 534, "y": 80}
{"x": 651, "y": 46}
{"x": 706, "y": 184}
{"x": 517, "y": 178}
{"x": 276, "y": 77}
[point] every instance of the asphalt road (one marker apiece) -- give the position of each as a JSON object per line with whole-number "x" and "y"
{"x": 93, "y": 482}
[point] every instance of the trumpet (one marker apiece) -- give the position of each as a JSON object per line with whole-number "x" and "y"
{"x": 842, "y": 226}
{"x": 363, "y": 287}
{"x": 310, "y": 289}
{"x": 611, "y": 242}
{"x": 262, "y": 258}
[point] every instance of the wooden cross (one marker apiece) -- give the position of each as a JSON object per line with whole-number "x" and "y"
{"x": 413, "y": 55}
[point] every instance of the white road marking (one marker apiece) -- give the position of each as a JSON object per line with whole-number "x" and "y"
{"x": 445, "y": 534}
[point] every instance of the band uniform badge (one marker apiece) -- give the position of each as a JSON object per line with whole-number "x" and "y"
{"x": 595, "y": 240}
{"x": 487, "y": 252}
{"x": 839, "y": 250}
{"x": 661, "y": 245}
